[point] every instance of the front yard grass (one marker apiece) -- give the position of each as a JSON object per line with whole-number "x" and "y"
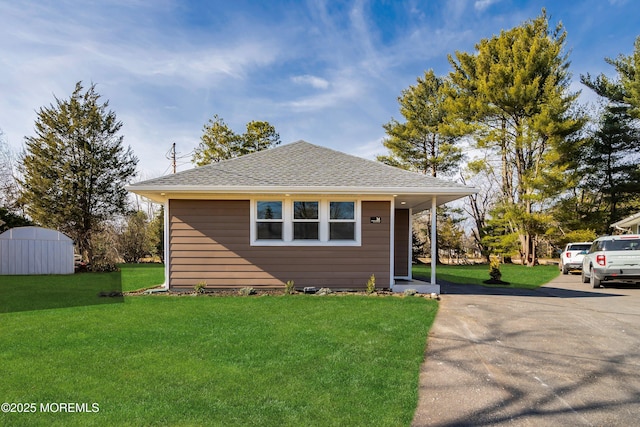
{"x": 140, "y": 276}
{"x": 518, "y": 276}
{"x": 267, "y": 361}
{"x": 38, "y": 292}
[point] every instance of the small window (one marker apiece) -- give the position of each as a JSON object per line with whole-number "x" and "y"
{"x": 269, "y": 221}
{"x": 342, "y": 221}
{"x": 305, "y": 221}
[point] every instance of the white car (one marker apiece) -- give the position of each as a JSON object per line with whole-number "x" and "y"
{"x": 571, "y": 257}
{"x": 612, "y": 259}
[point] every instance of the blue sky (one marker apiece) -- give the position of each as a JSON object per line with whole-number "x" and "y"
{"x": 328, "y": 72}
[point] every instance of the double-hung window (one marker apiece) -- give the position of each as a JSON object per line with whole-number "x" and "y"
{"x": 269, "y": 220}
{"x": 292, "y": 221}
{"x": 342, "y": 221}
{"x": 306, "y": 221}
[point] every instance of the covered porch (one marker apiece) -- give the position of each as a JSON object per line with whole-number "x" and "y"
{"x": 403, "y": 209}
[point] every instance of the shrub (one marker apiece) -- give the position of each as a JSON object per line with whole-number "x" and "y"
{"x": 104, "y": 256}
{"x": 247, "y": 291}
{"x": 136, "y": 239}
{"x": 494, "y": 268}
{"x": 409, "y": 292}
{"x": 371, "y": 284}
{"x": 288, "y": 287}
{"x": 199, "y": 287}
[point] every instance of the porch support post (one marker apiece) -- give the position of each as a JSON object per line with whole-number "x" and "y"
{"x": 434, "y": 242}
{"x": 392, "y": 244}
{"x": 410, "y": 260}
{"x": 167, "y": 254}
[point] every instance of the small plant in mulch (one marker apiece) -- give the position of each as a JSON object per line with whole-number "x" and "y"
{"x": 289, "y": 288}
{"x": 324, "y": 291}
{"x": 371, "y": 284}
{"x": 247, "y": 291}
{"x": 199, "y": 287}
{"x": 409, "y": 292}
{"x": 494, "y": 272}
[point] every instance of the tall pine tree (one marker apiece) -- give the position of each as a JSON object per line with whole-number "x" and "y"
{"x": 515, "y": 91}
{"x": 422, "y": 142}
{"x": 625, "y": 89}
{"x": 219, "y": 142}
{"x": 259, "y": 136}
{"x": 612, "y": 171}
{"x": 75, "y": 167}
{"x": 613, "y": 153}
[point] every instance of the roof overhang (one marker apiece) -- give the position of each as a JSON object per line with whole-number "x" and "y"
{"x": 628, "y": 221}
{"x": 414, "y": 198}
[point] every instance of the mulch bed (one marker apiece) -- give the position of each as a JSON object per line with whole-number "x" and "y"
{"x": 259, "y": 293}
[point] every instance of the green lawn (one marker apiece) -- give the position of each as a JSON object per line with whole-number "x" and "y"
{"x": 139, "y": 276}
{"x": 20, "y": 293}
{"x": 263, "y": 360}
{"x": 517, "y": 275}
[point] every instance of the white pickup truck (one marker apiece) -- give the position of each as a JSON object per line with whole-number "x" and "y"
{"x": 612, "y": 259}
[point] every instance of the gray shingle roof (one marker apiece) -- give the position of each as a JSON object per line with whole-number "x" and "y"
{"x": 296, "y": 165}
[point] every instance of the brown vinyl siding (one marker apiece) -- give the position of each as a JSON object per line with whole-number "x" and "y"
{"x": 209, "y": 240}
{"x": 401, "y": 242}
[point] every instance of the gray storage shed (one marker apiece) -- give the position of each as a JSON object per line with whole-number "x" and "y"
{"x": 35, "y": 250}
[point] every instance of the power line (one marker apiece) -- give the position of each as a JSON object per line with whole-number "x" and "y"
{"x": 173, "y": 156}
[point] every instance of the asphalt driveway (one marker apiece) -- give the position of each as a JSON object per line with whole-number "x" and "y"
{"x": 562, "y": 355}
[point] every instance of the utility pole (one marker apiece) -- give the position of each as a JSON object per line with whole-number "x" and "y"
{"x": 173, "y": 157}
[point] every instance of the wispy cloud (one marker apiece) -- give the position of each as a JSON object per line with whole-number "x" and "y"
{"x": 314, "y": 81}
{"x": 484, "y": 4}
{"x": 145, "y": 66}
{"x": 146, "y": 50}
{"x": 195, "y": 65}
{"x": 343, "y": 90}
{"x": 369, "y": 150}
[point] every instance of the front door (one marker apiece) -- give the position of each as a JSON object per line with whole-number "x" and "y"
{"x": 402, "y": 252}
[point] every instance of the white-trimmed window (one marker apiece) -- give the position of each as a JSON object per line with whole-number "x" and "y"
{"x": 305, "y": 222}
{"x": 342, "y": 220}
{"x": 269, "y": 220}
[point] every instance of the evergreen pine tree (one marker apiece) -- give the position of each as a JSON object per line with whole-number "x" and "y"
{"x": 75, "y": 167}
{"x": 219, "y": 142}
{"x": 422, "y": 142}
{"x": 515, "y": 92}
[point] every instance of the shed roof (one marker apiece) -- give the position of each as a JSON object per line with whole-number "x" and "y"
{"x": 300, "y": 168}
{"x": 34, "y": 233}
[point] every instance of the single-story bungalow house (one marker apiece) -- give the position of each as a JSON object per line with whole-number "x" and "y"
{"x": 630, "y": 224}
{"x": 297, "y": 212}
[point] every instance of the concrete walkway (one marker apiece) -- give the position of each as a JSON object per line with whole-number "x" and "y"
{"x": 562, "y": 355}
